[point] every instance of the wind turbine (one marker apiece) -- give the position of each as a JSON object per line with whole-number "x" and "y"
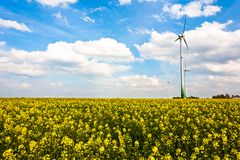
{"x": 185, "y": 71}
{"x": 181, "y": 38}
{"x": 168, "y": 83}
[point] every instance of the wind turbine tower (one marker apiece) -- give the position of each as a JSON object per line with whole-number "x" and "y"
{"x": 181, "y": 38}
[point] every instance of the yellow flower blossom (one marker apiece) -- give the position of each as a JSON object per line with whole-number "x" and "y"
{"x": 8, "y": 154}
{"x": 154, "y": 150}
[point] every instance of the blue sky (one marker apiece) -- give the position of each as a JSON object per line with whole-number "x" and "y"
{"x": 117, "y": 48}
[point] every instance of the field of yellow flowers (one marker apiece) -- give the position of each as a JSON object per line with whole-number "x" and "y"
{"x": 119, "y": 129}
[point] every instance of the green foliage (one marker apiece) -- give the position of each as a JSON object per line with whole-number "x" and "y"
{"x": 119, "y": 129}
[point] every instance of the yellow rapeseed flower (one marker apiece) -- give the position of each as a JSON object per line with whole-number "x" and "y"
{"x": 155, "y": 149}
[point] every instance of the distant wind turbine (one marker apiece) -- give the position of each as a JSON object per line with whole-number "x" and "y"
{"x": 185, "y": 71}
{"x": 181, "y": 38}
{"x": 168, "y": 83}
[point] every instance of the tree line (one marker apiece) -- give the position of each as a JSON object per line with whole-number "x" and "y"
{"x": 226, "y": 96}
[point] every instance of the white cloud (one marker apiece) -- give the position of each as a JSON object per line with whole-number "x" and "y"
{"x": 56, "y": 3}
{"x": 98, "y": 9}
{"x": 59, "y": 16}
{"x": 4, "y": 59}
{"x": 104, "y": 49}
{"x": 13, "y": 24}
{"x": 147, "y": 1}
{"x": 2, "y": 44}
{"x": 196, "y": 8}
{"x": 122, "y": 20}
{"x": 17, "y": 85}
{"x": 100, "y": 57}
{"x": 158, "y": 17}
{"x": 127, "y": 86}
{"x": 229, "y": 68}
{"x": 125, "y": 2}
{"x": 160, "y": 47}
{"x": 140, "y": 81}
{"x": 88, "y": 19}
{"x": 140, "y": 31}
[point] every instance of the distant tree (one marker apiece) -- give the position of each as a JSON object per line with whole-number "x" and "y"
{"x": 193, "y": 97}
{"x": 227, "y": 96}
{"x": 176, "y": 97}
{"x": 219, "y": 96}
{"x": 235, "y": 96}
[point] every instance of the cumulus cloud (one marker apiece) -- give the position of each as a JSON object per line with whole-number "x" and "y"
{"x": 196, "y": 8}
{"x": 56, "y": 3}
{"x": 100, "y": 57}
{"x": 125, "y": 2}
{"x": 14, "y": 25}
{"x": 231, "y": 67}
{"x": 24, "y": 68}
{"x": 160, "y": 47}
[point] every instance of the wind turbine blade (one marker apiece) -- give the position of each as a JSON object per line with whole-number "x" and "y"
{"x": 177, "y": 39}
{"x": 184, "y": 26}
{"x": 185, "y": 42}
